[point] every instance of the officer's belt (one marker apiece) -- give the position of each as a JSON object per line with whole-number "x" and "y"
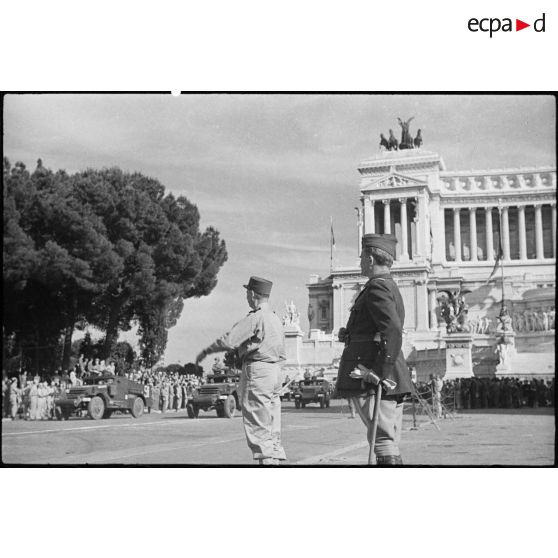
{"x": 352, "y": 338}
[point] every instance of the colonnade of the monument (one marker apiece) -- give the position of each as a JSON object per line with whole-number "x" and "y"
{"x": 528, "y": 231}
{"x": 379, "y": 218}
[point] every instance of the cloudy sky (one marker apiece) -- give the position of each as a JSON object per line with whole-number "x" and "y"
{"x": 268, "y": 171}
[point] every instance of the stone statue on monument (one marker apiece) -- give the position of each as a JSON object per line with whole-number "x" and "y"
{"x": 455, "y": 312}
{"x": 384, "y": 142}
{"x": 504, "y": 321}
{"x": 418, "y": 140}
{"x": 392, "y": 142}
{"x": 292, "y": 316}
{"x": 406, "y": 138}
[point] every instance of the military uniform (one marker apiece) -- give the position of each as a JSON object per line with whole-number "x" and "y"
{"x": 373, "y": 337}
{"x": 260, "y": 346}
{"x": 14, "y": 398}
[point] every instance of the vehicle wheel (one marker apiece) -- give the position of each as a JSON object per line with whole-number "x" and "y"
{"x": 107, "y": 414}
{"x": 322, "y": 403}
{"x": 96, "y": 408}
{"x": 229, "y": 408}
{"x": 297, "y": 404}
{"x": 193, "y": 412}
{"x": 137, "y": 407}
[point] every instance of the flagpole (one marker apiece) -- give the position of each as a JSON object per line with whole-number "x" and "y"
{"x": 331, "y": 244}
{"x": 502, "y": 249}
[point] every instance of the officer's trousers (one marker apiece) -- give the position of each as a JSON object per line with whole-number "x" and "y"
{"x": 390, "y": 421}
{"x": 260, "y": 384}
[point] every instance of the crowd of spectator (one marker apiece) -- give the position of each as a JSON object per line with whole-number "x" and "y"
{"x": 33, "y": 397}
{"x": 491, "y": 393}
{"x": 169, "y": 391}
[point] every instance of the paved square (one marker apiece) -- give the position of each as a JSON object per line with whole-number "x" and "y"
{"x": 312, "y": 437}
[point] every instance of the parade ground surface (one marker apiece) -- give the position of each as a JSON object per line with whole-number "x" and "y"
{"x": 312, "y": 437}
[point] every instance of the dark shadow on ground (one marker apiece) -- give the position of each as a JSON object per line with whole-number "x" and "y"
{"x": 522, "y": 411}
{"x": 311, "y": 409}
{"x": 200, "y": 417}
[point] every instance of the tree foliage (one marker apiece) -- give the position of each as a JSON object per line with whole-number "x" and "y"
{"x": 100, "y": 247}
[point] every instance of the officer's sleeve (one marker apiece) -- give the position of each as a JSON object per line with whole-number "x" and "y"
{"x": 243, "y": 331}
{"x": 381, "y": 305}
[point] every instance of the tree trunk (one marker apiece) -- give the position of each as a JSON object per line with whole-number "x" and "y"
{"x": 68, "y": 333}
{"x": 67, "y": 352}
{"x": 111, "y": 335}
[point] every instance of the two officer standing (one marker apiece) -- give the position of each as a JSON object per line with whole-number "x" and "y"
{"x": 258, "y": 340}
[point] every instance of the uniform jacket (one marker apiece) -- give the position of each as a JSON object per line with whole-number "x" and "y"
{"x": 377, "y": 313}
{"x": 257, "y": 337}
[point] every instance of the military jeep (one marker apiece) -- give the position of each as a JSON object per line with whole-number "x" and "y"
{"x": 219, "y": 393}
{"x": 100, "y": 396}
{"x": 316, "y": 390}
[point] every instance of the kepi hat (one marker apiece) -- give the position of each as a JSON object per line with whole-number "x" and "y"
{"x": 385, "y": 242}
{"x": 259, "y": 286}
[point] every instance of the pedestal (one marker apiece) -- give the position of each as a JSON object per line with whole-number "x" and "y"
{"x": 459, "y": 356}
{"x": 293, "y": 344}
{"x": 505, "y": 351}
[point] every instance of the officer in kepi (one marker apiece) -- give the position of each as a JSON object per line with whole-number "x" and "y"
{"x": 259, "y": 342}
{"x": 373, "y": 337}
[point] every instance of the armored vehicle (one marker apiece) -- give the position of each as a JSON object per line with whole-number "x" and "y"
{"x": 219, "y": 393}
{"x": 315, "y": 390}
{"x": 100, "y": 396}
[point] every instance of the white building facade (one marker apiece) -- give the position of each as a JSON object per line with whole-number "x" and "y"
{"x": 447, "y": 224}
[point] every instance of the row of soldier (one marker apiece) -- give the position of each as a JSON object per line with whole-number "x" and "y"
{"x": 169, "y": 392}
{"x": 31, "y": 400}
{"x": 495, "y": 393}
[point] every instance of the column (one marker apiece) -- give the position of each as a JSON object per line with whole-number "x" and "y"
{"x": 505, "y": 233}
{"x": 457, "y": 234}
{"x": 368, "y": 217}
{"x": 372, "y": 217}
{"x": 433, "y": 317}
{"x": 539, "y": 231}
{"x": 522, "y": 234}
{"x": 553, "y": 230}
{"x": 489, "y": 235}
{"x": 359, "y": 230}
{"x": 404, "y": 232}
{"x": 473, "y": 229}
{"x": 387, "y": 217}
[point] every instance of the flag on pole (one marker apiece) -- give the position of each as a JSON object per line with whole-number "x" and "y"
{"x": 500, "y": 252}
{"x": 332, "y": 235}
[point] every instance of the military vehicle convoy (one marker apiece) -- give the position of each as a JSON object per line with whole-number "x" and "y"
{"x": 219, "y": 393}
{"x": 100, "y": 396}
{"x": 315, "y": 390}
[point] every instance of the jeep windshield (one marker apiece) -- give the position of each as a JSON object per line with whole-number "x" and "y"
{"x": 92, "y": 380}
{"x": 222, "y": 378}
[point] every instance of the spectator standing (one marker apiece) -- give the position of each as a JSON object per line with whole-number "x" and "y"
{"x": 14, "y": 398}
{"x": 34, "y": 399}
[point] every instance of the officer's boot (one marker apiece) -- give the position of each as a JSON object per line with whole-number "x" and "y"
{"x": 388, "y": 460}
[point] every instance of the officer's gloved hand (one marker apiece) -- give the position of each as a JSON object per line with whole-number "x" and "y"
{"x": 342, "y": 334}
